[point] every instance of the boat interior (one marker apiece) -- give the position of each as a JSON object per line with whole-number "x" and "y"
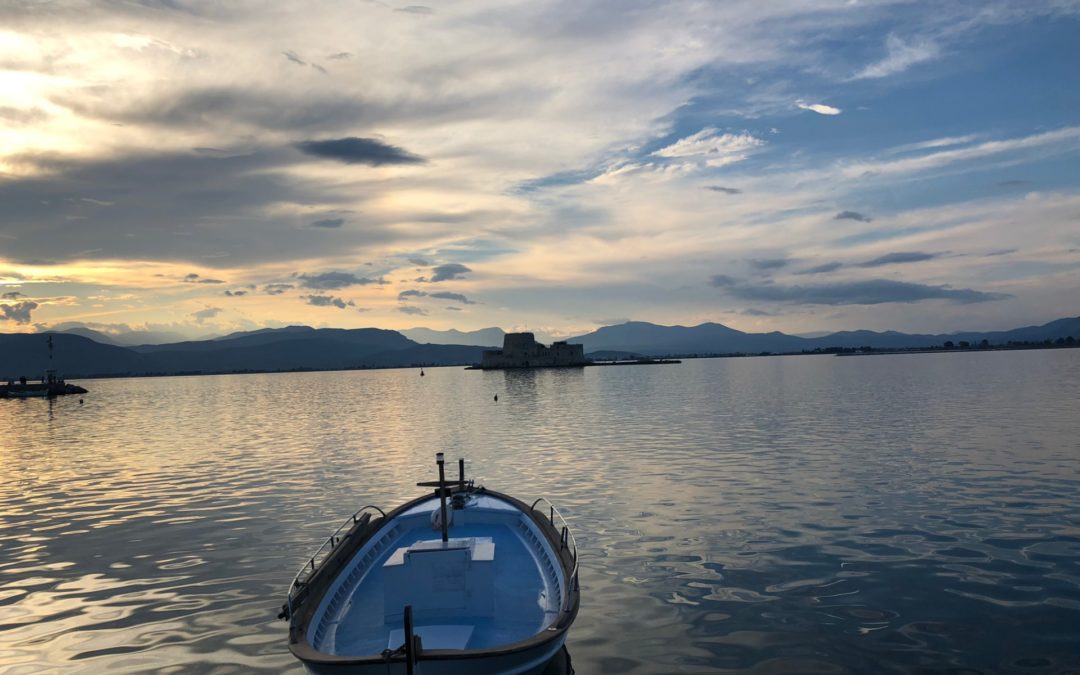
{"x": 496, "y": 580}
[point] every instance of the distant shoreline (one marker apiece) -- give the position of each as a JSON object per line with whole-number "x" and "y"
{"x": 835, "y": 351}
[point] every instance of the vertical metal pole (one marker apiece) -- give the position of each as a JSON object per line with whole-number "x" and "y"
{"x": 442, "y": 495}
{"x": 410, "y": 655}
{"x": 461, "y": 473}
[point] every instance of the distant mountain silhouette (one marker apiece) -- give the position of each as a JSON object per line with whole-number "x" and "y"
{"x": 306, "y": 348}
{"x": 485, "y": 337}
{"x": 284, "y": 349}
{"x": 712, "y": 338}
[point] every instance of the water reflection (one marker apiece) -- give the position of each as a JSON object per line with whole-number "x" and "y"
{"x": 810, "y": 513}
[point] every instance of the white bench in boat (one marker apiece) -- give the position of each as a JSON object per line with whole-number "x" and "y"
{"x": 441, "y": 580}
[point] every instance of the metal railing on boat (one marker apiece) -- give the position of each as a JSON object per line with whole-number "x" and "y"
{"x": 314, "y": 563}
{"x": 567, "y": 541}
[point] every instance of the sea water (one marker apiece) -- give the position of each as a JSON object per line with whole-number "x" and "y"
{"x": 773, "y": 514}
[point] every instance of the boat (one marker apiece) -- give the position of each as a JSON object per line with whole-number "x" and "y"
{"x": 27, "y": 392}
{"x": 460, "y": 580}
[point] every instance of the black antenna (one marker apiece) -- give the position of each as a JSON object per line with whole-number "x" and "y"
{"x": 461, "y": 473}
{"x": 442, "y": 495}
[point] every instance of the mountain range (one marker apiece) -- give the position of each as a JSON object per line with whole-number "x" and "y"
{"x": 81, "y": 352}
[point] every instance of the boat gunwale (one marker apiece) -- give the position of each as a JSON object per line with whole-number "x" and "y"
{"x": 321, "y": 581}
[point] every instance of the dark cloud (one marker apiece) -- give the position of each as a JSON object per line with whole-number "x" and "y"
{"x": 899, "y": 258}
{"x": 852, "y": 215}
{"x": 721, "y": 280}
{"x": 276, "y": 289}
{"x": 416, "y": 9}
{"x": 457, "y": 297}
{"x": 235, "y": 294}
{"x": 176, "y": 207}
{"x": 204, "y": 314}
{"x": 19, "y": 312}
{"x": 223, "y": 105}
{"x": 294, "y": 57}
{"x": 821, "y": 269}
{"x": 452, "y": 309}
{"x": 354, "y": 150}
{"x": 1003, "y": 251}
{"x": 448, "y": 271}
{"x": 319, "y": 68}
{"x": 870, "y": 292}
{"x": 768, "y": 263}
{"x": 330, "y": 281}
{"x": 196, "y": 279}
{"x": 329, "y": 223}
{"x": 327, "y": 301}
{"x": 420, "y": 262}
{"x": 441, "y": 295}
{"x": 11, "y": 295}
{"x": 725, "y": 190}
{"x": 756, "y": 312}
{"x": 340, "y": 55}
{"x": 409, "y": 309}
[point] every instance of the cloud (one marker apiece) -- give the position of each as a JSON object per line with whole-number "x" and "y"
{"x": 1066, "y": 139}
{"x": 457, "y": 297}
{"x": 196, "y": 279}
{"x": 448, "y": 271}
{"x": 327, "y": 301}
{"x": 442, "y": 295}
{"x": 725, "y": 190}
{"x": 712, "y": 147}
{"x": 1014, "y": 183}
{"x": 409, "y": 309}
{"x": 294, "y": 57}
{"x": 821, "y": 269}
{"x": 19, "y": 312}
{"x": 899, "y": 258}
{"x": 204, "y": 314}
{"x": 330, "y": 281}
{"x": 900, "y": 55}
{"x": 768, "y": 263}
{"x": 235, "y": 294}
{"x": 420, "y": 262}
{"x": 339, "y": 56}
{"x": 819, "y": 108}
{"x": 869, "y": 292}
{"x": 276, "y": 289}
{"x": 354, "y": 150}
{"x": 852, "y": 215}
{"x": 756, "y": 312}
{"x": 329, "y": 223}
{"x": 722, "y": 280}
{"x": 11, "y": 295}
{"x": 1001, "y": 251}
{"x": 416, "y": 9}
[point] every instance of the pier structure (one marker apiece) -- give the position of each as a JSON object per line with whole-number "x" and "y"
{"x": 521, "y": 350}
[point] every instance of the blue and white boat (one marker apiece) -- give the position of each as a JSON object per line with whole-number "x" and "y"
{"x": 465, "y": 580}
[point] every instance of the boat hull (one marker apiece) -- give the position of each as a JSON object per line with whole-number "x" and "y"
{"x": 535, "y": 652}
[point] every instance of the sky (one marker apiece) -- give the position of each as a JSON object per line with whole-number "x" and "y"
{"x": 193, "y": 168}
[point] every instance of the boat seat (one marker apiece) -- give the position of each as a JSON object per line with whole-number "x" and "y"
{"x": 440, "y": 580}
{"x": 434, "y": 637}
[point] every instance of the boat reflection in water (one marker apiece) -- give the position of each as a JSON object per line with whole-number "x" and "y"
{"x": 495, "y": 593}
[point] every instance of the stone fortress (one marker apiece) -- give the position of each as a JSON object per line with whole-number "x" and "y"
{"x": 521, "y": 350}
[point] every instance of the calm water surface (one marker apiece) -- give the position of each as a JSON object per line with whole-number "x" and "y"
{"x": 784, "y": 514}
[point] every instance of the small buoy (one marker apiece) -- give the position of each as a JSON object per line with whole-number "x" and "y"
{"x": 496, "y": 398}
{"x": 421, "y": 372}
{"x": 80, "y": 401}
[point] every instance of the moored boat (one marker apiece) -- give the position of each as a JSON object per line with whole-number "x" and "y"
{"x": 465, "y": 580}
